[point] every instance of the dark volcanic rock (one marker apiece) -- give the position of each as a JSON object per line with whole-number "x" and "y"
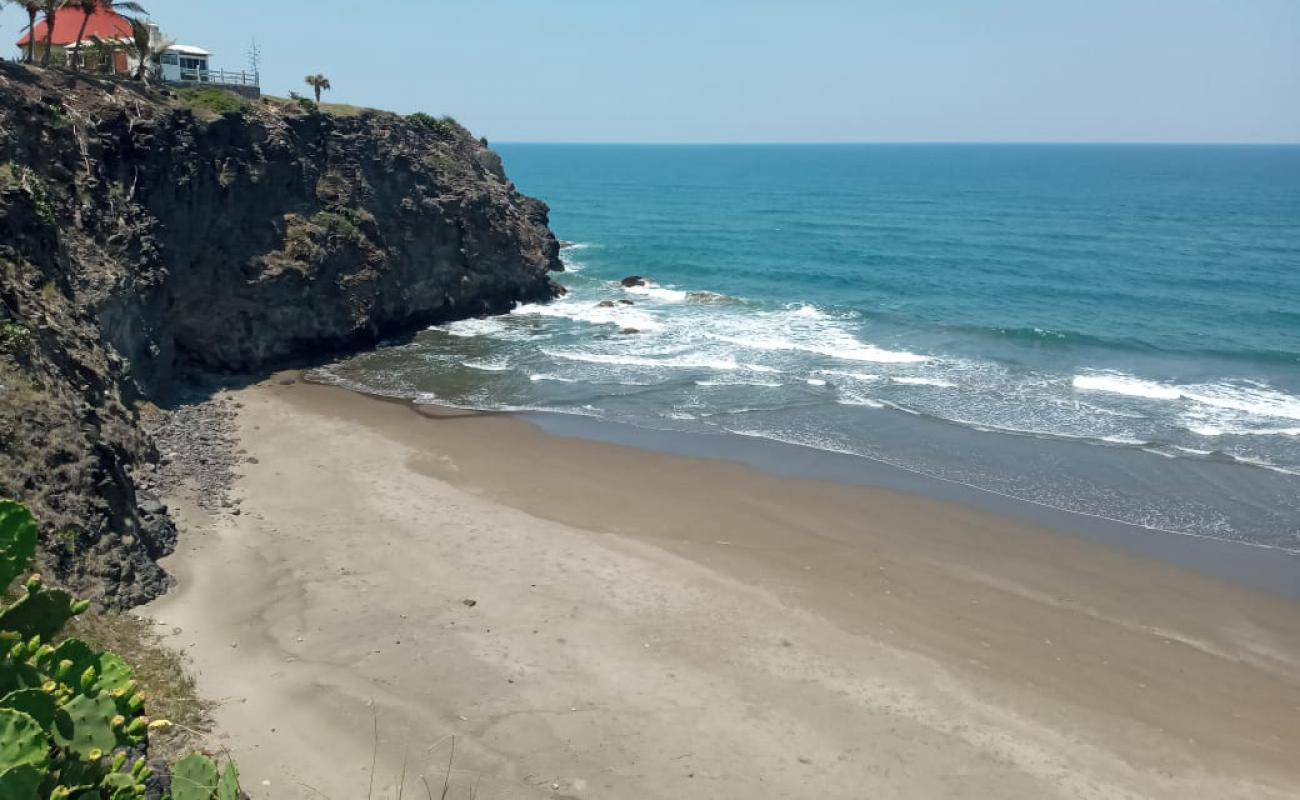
{"x": 140, "y": 239}
{"x": 633, "y": 280}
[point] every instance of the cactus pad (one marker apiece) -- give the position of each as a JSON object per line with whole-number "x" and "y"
{"x": 114, "y": 673}
{"x": 20, "y": 783}
{"x": 37, "y": 704}
{"x": 17, "y": 541}
{"x": 22, "y": 742}
{"x": 85, "y": 724}
{"x": 119, "y": 786}
{"x": 228, "y": 788}
{"x": 194, "y": 778}
{"x": 42, "y": 612}
{"x": 76, "y": 651}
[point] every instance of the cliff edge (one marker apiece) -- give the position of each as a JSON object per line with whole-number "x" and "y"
{"x": 145, "y": 233}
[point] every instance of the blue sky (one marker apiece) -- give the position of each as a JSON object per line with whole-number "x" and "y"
{"x": 756, "y": 70}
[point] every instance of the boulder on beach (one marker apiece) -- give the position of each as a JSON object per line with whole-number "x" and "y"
{"x": 633, "y": 280}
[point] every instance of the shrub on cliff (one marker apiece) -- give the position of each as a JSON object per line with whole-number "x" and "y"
{"x": 71, "y": 718}
{"x": 444, "y": 126}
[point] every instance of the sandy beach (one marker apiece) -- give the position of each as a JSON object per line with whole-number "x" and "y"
{"x": 462, "y": 598}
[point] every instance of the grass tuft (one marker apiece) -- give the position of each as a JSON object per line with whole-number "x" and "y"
{"x": 214, "y": 101}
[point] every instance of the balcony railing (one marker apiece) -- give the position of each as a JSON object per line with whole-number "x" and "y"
{"x": 220, "y": 77}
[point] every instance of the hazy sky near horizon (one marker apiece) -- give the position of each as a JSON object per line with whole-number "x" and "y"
{"x": 765, "y": 71}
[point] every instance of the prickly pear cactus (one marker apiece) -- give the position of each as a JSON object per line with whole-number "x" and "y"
{"x": 20, "y": 782}
{"x": 88, "y": 725}
{"x": 228, "y": 786}
{"x": 40, "y": 612}
{"x": 69, "y": 714}
{"x": 35, "y": 703}
{"x": 194, "y": 778}
{"x": 17, "y": 541}
{"x": 114, "y": 673}
{"x": 22, "y": 741}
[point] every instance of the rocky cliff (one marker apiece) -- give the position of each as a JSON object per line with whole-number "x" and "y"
{"x": 145, "y": 233}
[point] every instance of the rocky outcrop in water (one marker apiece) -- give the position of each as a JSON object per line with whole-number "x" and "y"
{"x": 144, "y": 234}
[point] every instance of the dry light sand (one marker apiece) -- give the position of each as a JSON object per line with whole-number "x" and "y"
{"x": 650, "y": 626}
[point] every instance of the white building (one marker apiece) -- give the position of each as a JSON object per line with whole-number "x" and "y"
{"x": 183, "y": 63}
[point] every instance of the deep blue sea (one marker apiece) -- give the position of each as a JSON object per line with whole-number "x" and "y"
{"x": 1109, "y": 330}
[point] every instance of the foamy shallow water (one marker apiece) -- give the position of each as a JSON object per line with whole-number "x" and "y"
{"x": 1168, "y": 420}
{"x": 793, "y": 374}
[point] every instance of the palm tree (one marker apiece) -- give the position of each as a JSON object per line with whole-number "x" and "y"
{"x": 146, "y": 49}
{"x": 32, "y": 7}
{"x": 51, "y": 9}
{"x": 88, "y": 9}
{"x": 319, "y": 83}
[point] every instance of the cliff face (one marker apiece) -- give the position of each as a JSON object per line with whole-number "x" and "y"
{"x": 142, "y": 234}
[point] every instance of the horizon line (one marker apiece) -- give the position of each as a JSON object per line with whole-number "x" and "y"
{"x": 918, "y": 142}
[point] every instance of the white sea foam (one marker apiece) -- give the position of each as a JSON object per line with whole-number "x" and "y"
{"x": 477, "y": 326}
{"x": 572, "y": 264}
{"x": 1250, "y": 398}
{"x": 851, "y": 400}
{"x": 656, "y": 292}
{"x": 542, "y": 376}
{"x": 1128, "y": 441}
{"x": 866, "y": 377}
{"x": 936, "y": 382}
{"x": 592, "y": 313}
{"x": 809, "y": 311}
{"x": 1212, "y": 430}
{"x": 692, "y": 361}
{"x": 834, "y": 344}
{"x": 769, "y": 352}
{"x": 760, "y": 384}
{"x": 499, "y": 365}
{"x": 1116, "y": 383}
{"x": 1263, "y": 402}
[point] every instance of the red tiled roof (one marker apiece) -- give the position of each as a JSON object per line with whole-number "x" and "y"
{"x": 104, "y": 24}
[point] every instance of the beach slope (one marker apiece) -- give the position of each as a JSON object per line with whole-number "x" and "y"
{"x": 462, "y": 598}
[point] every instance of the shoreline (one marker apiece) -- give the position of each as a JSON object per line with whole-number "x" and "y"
{"x": 840, "y": 639}
{"x": 1250, "y": 564}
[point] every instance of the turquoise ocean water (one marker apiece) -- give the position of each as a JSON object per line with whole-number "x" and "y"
{"x": 1109, "y": 330}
